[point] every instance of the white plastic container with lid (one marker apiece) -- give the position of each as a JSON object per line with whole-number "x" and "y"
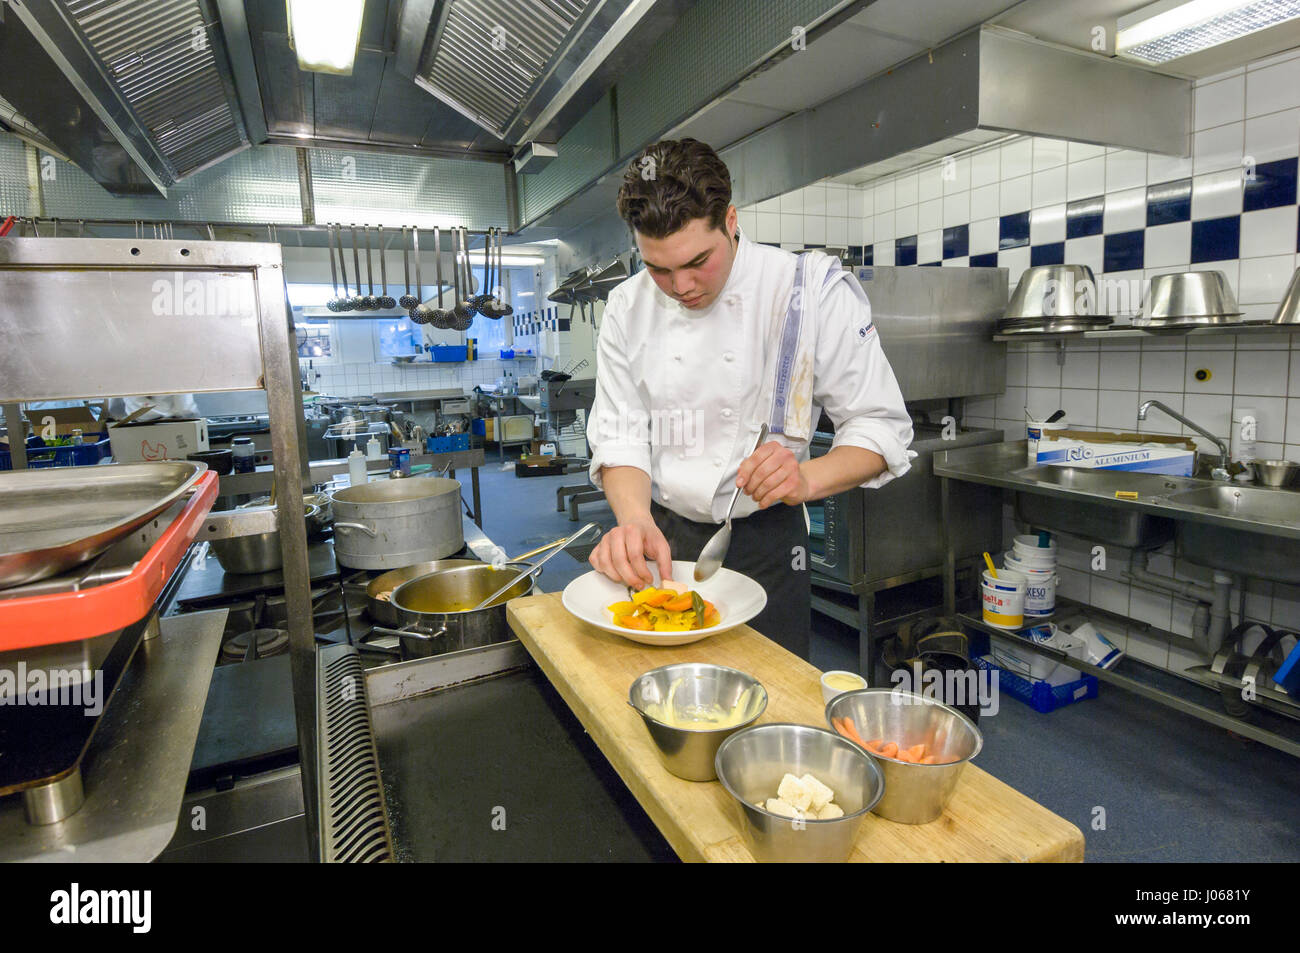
{"x": 1028, "y": 551}
{"x": 357, "y": 468}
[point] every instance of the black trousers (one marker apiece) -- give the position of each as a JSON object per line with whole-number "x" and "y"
{"x": 771, "y": 547}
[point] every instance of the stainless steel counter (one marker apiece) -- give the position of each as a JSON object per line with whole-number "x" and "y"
{"x": 1250, "y": 508}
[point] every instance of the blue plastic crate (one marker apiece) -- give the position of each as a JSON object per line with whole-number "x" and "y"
{"x": 41, "y": 457}
{"x": 447, "y": 353}
{"x": 438, "y": 444}
{"x": 478, "y": 427}
{"x": 1039, "y": 695}
{"x": 459, "y": 441}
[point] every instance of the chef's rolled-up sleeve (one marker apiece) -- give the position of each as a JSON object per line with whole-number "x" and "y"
{"x": 618, "y": 428}
{"x": 854, "y": 384}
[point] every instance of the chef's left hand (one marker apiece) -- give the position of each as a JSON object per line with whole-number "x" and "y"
{"x": 771, "y": 474}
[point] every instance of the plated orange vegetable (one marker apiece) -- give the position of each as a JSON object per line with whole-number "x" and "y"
{"x": 665, "y": 610}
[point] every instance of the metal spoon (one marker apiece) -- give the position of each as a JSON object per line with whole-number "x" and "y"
{"x": 464, "y": 309}
{"x": 482, "y": 299}
{"x": 408, "y": 300}
{"x": 419, "y": 313}
{"x": 500, "y": 308}
{"x": 536, "y": 567}
{"x": 358, "y": 299}
{"x": 386, "y": 300}
{"x": 715, "y": 550}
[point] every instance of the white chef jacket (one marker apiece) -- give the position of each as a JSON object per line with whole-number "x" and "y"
{"x": 678, "y": 390}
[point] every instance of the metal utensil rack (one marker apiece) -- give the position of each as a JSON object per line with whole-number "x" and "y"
{"x": 109, "y": 317}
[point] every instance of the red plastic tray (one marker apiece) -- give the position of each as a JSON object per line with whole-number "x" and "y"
{"x": 31, "y": 621}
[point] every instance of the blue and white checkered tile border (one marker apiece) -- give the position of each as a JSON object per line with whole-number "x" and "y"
{"x": 534, "y": 322}
{"x": 1271, "y": 186}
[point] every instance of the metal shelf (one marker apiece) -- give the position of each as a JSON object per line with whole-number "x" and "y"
{"x": 1125, "y": 331}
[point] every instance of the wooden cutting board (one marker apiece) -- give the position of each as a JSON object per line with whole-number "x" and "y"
{"x": 592, "y": 670}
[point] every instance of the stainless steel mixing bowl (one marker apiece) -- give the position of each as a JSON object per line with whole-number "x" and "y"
{"x": 689, "y": 753}
{"x": 914, "y": 793}
{"x": 750, "y": 765}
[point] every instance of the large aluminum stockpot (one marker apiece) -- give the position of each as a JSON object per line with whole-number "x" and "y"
{"x": 438, "y": 612}
{"x": 388, "y": 524}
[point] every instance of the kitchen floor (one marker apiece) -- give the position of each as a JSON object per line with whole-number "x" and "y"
{"x": 1143, "y": 782}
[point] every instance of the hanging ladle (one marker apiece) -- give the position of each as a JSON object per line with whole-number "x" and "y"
{"x": 420, "y": 313}
{"x": 371, "y": 299}
{"x": 358, "y": 299}
{"x": 347, "y": 302}
{"x": 408, "y": 300}
{"x": 462, "y": 315}
{"x": 386, "y": 300}
{"x": 481, "y": 299}
{"x": 335, "y": 303}
{"x": 496, "y": 308}
{"x": 442, "y": 318}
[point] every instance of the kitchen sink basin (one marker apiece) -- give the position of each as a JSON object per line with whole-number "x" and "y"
{"x": 1241, "y": 550}
{"x": 1116, "y": 525}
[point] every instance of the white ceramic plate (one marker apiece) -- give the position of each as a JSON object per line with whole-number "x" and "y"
{"x": 737, "y": 597}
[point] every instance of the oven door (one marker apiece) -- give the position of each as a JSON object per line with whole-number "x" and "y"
{"x": 835, "y": 536}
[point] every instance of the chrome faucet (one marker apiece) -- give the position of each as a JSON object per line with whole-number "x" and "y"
{"x": 1218, "y": 473}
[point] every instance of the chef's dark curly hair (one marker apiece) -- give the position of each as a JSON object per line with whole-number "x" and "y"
{"x": 672, "y": 182}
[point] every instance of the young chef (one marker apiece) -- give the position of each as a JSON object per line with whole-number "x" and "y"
{"x": 716, "y": 336}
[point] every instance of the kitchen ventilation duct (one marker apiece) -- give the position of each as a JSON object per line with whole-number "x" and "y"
{"x": 138, "y": 93}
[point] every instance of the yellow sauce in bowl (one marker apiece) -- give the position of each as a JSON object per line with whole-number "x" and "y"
{"x": 843, "y": 682}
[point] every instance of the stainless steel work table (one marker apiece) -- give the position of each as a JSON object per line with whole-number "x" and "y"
{"x": 1005, "y": 465}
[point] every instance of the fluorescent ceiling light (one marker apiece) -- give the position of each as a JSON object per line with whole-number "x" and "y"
{"x": 325, "y": 33}
{"x": 1173, "y": 28}
{"x": 506, "y": 260}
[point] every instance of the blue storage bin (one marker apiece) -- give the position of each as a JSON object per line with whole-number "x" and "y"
{"x": 478, "y": 426}
{"x": 41, "y": 457}
{"x": 459, "y": 441}
{"x": 1039, "y": 695}
{"x": 438, "y": 444}
{"x": 447, "y": 353}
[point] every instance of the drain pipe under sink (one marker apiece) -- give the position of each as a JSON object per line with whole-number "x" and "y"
{"x": 1208, "y": 629}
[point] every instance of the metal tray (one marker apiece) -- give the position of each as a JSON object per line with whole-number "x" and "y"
{"x": 58, "y": 518}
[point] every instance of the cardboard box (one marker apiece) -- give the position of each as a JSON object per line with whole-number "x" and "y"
{"x": 64, "y": 420}
{"x": 1106, "y": 450}
{"x": 157, "y": 440}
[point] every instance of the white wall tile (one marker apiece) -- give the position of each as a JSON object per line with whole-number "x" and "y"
{"x": 929, "y": 215}
{"x": 1273, "y": 88}
{"x": 1080, "y": 405}
{"x": 1271, "y": 417}
{"x": 792, "y": 202}
{"x": 1082, "y": 369}
{"x": 1043, "y": 371}
{"x": 1125, "y": 170}
{"x": 858, "y": 200}
{"x": 1089, "y": 251}
{"x": 837, "y": 201}
{"x": 1157, "y": 421}
{"x": 1211, "y": 411}
{"x": 1269, "y": 231}
{"x": 985, "y": 167}
{"x": 1078, "y": 151}
{"x": 1015, "y": 260}
{"x": 1048, "y": 153}
{"x": 1167, "y": 168}
{"x": 883, "y": 253}
{"x": 1273, "y": 136}
{"x": 1125, "y": 211}
{"x": 1218, "y": 148}
{"x": 1263, "y": 373}
{"x": 1168, "y": 245}
{"x": 962, "y": 261}
{"x": 1151, "y": 607}
{"x": 1110, "y": 595}
{"x": 1264, "y": 279}
{"x": 1086, "y": 179}
{"x": 929, "y": 183}
{"x": 858, "y": 233}
{"x": 1217, "y": 194}
{"x": 1015, "y": 195}
{"x": 1117, "y": 409}
{"x": 1217, "y": 103}
{"x": 1263, "y": 342}
{"x": 956, "y": 175}
{"x": 1043, "y": 401}
{"x": 1120, "y": 369}
{"x": 956, "y": 209}
{"x": 769, "y": 226}
{"x": 1011, "y": 404}
{"x": 837, "y": 232}
{"x": 883, "y": 196}
{"x": 1047, "y": 224}
{"x": 929, "y": 246}
{"x": 1017, "y": 368}
{"x": 1017, "y": 158}
{"x": 814, "y": 229}
{"x": 770, "y": 205}
{"x": 1163, "y": 370}
{"x": 791, "y": 228}
{"x": 905, "y": 189}
{"x": 984, "y": 202}
{"x": 814, "y": 199}
{"x": 1219, "y": 364}
{"x": 905, "y": 221}
{"x": 885, "y": 226}
{"x": 1293, "y": 391}
{"x": 1049, "y": 186}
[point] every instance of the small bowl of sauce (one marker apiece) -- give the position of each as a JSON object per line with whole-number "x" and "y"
{"x": 838, "y": 682}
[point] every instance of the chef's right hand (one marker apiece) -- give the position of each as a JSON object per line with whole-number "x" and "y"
{"x": 621, "y": 553}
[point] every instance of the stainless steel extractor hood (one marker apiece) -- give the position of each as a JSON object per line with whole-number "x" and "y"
{"x": 135, "y": 92}
{"x": 526, "y": 69}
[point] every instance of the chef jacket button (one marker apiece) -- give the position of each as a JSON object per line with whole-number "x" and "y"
{"x": 681, "y": 456}
{"x": 726, "y": 412}
{"x": 717, "y": 461}
{"x": 677, "y": 357}
{"x": 733, "y": 299}
{"x": 726, "y": 357}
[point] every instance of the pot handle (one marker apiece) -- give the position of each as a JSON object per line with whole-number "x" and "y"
{"x": 361, "y": 526}
{"x": 405, "y": 634}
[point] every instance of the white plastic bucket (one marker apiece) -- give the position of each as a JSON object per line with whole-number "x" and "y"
{"x": 1035, "y": 431}
{"x": 1004, "y": 598}
{"x": 1030, "y": 553}
{"x": 1040, "y": 595}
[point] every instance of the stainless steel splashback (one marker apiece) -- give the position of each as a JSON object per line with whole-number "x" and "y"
{"x": 936, "y": 325}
